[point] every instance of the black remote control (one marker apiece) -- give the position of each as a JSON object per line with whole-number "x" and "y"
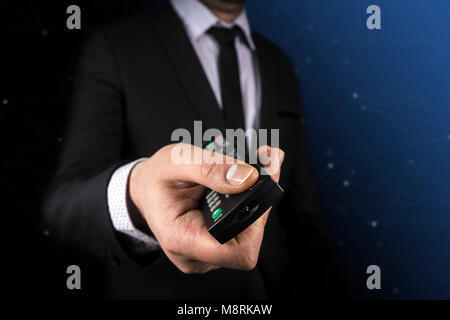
{"x": 227, "y": 215}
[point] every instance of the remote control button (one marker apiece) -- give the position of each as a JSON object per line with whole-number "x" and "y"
{"x": 217, "y": 213}
{"x": 215, "y": 205}
{"x": 212, "y": 199}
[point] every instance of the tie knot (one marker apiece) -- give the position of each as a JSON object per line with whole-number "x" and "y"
{"x": 225, "y": 36}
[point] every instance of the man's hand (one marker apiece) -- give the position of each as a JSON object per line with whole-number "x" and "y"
{"x": 168, "y": 194}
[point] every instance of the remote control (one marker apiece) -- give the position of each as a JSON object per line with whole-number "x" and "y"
{"x": 227, "y": 215}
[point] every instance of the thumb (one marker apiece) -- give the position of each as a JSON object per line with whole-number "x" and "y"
{"x": 211, "y": 169}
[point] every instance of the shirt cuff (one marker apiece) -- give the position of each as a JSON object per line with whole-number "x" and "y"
{"x": 118, "y": 210}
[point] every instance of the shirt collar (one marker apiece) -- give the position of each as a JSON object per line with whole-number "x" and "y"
{"x": 198, "y": 19}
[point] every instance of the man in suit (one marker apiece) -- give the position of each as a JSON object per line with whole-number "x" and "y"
{"x": 118, "y": 197}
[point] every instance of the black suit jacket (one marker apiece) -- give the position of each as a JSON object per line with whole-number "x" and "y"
{"x": 137, "y": 81}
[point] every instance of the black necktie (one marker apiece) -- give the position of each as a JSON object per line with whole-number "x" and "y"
{"x": 229, "y": 76}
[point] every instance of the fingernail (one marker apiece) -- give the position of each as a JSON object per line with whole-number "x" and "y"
{"x": 238, "y": 173}
{"x": 265, "y": 156}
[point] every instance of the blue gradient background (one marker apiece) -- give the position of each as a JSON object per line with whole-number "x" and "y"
{"x": 377, "y": 111}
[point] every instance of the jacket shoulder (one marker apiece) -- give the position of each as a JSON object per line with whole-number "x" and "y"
{"x": 271, "y": 49}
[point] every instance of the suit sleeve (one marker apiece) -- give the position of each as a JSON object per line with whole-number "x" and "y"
{"x": 75, "y": 207}
{"x": 313, "y": 263}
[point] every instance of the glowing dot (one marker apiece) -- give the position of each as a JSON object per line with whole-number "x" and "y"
{"x": 363, "y": 108}
{"x": 5, "y": 102}
{"x": 374, "y": 223}
{"x": 411, "y": 161}
{"x": 308, "y": 60}
{"x": 345, "y": 183}
{"x": 355, "y": 95}
{"x": 44, "y": 32}
{"x": 330, "y": 166}
{"x": 328, "y": 152}
{"x": 46, "y": 232}
{"x": 59, "y": 139}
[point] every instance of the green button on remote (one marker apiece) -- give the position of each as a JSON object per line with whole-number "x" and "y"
{"x": 217, "y": 213}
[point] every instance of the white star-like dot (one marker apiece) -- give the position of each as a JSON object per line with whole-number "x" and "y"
{"x": 411, "y": 161}
{"x": 5, "y": 102}
{"x": 355, "y": 95}
{"x": 374, "y": 223}
{"x": 346, "y": 183}
{"x": 363, "y": 108}
{"x": 330, "y": 165}
{"x": 44, "y": 32}
{"x": 46, "y": 232}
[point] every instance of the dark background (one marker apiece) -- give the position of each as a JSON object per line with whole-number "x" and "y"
{"x": 39, "y": 56}
{"x": 376, "y": 111}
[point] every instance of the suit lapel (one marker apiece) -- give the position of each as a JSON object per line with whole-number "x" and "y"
{"x": 174, "y": 40}
{"x": 269, "y": 84}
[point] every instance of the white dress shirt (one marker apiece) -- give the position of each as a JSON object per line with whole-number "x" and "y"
{"x": 197, "y": 19}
